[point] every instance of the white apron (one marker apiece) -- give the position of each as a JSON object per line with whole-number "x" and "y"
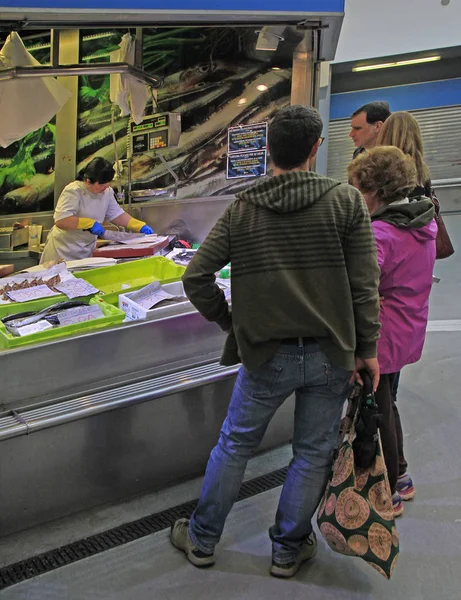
{"x": 77, "y": 201}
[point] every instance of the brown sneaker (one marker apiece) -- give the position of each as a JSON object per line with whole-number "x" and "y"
{"x": 308, "y": 550}
{"x": 179, "y": 537}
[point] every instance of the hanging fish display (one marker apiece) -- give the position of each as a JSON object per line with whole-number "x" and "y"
{"x": 212, "y": 76}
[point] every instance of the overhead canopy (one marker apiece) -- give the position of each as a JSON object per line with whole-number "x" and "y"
{"x": 318, "y": 6}
{"x": 324, "y": 14}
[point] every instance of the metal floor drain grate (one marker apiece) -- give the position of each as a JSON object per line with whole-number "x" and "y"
{"x": 43, "y": 563}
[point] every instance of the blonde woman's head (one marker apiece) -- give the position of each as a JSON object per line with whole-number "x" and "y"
{"x": 401, "y": 129}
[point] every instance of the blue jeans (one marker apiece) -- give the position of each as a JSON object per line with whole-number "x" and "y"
{"x": 321, "y": 390}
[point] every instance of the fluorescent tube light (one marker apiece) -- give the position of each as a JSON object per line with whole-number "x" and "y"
{"x": 399, "y": 63}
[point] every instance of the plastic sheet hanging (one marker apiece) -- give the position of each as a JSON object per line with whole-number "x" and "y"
{"x": 128, "y": 93}
{"x": 26, "y": 104}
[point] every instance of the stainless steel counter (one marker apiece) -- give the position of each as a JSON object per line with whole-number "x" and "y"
{"x": 96, "y": 418}
{"x": 200, "y": 214}
{"x": 12, "y": 255}
{"x": 22, "y": 258}
{"x": 131, "y": 352}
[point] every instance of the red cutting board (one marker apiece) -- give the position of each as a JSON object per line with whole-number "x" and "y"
{"x": 122, "y": 251}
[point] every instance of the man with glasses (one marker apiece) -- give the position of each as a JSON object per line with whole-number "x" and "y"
{"x": 304, "y": 318}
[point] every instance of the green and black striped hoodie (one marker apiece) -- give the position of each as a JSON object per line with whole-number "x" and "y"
{"x": 303, "y": 259}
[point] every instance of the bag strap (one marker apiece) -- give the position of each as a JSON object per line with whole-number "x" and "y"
{"x": 428, "y": 189}
{"x": 356, "y": 399}
{"x": 365, "y": 397}
{"x": 430, "y": 193}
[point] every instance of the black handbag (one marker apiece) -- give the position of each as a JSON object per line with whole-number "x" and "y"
{"x": 365, "y": 444}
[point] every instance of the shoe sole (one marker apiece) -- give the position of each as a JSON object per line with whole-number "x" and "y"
{"x": 409, "y": 496}
{"x": 398, "y": 513}
{"x": 201, "y": 563}
{"x": 281, "y": 573}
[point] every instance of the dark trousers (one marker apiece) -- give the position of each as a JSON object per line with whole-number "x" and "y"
{"x": 403, "y": 465}
{"x": 390, "y": 428}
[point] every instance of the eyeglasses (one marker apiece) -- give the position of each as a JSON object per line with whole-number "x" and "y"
{"x": 322, "y": 139}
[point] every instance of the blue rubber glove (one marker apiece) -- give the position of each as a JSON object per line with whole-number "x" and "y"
{"x": 147, "y": 230}
{"x": 97, "y": 229}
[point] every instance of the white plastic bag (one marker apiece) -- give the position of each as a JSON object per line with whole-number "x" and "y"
{"x": 126, "y": 91}
{"x": 26, "y": 104}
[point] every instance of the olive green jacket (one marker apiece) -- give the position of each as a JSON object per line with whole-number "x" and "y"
{"x": 303, "y": 264}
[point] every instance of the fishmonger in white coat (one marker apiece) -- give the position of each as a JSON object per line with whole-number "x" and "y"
{"x": 82, "y": 207}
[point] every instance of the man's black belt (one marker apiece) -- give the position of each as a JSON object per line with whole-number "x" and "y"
{"x": 298, "y": 341}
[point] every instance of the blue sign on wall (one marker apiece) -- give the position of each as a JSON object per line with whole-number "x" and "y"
{"x": 304, "y": 6}
{"x": 246, "y": 164}
{"x": 247, "y": 137}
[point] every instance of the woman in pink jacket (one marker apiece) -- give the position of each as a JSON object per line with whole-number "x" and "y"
{"x": 405, "y": 234}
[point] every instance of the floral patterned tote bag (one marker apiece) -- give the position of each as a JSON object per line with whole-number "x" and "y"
{"x": 355, "y": 515}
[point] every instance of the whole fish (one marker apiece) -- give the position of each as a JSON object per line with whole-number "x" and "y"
{"x": 27, "y": 318}
{"x": 120, "y": 236}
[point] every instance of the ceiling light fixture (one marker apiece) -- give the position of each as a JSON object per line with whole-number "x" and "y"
{"x": 261, "y": 88}
{"x": 399, "y": 63}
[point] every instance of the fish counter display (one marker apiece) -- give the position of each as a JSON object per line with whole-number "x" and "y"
{"x": 99, "y": 414}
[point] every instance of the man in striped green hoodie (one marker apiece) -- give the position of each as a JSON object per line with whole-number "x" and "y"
{"x": 305, "y": 306}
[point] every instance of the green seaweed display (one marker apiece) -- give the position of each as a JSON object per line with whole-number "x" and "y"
{"x": 212, "y": 76}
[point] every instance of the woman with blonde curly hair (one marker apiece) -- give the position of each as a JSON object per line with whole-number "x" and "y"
{"x": 405, "y": 233}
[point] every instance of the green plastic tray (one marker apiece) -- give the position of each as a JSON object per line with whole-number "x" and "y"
{"x": 112, "y": 316}
{"x": 111, "y": 281}
{"x": 131, "y": 276}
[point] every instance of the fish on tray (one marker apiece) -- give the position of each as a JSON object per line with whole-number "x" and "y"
{"x": 120, "y": 236}
{"x": 50, "y": 314}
